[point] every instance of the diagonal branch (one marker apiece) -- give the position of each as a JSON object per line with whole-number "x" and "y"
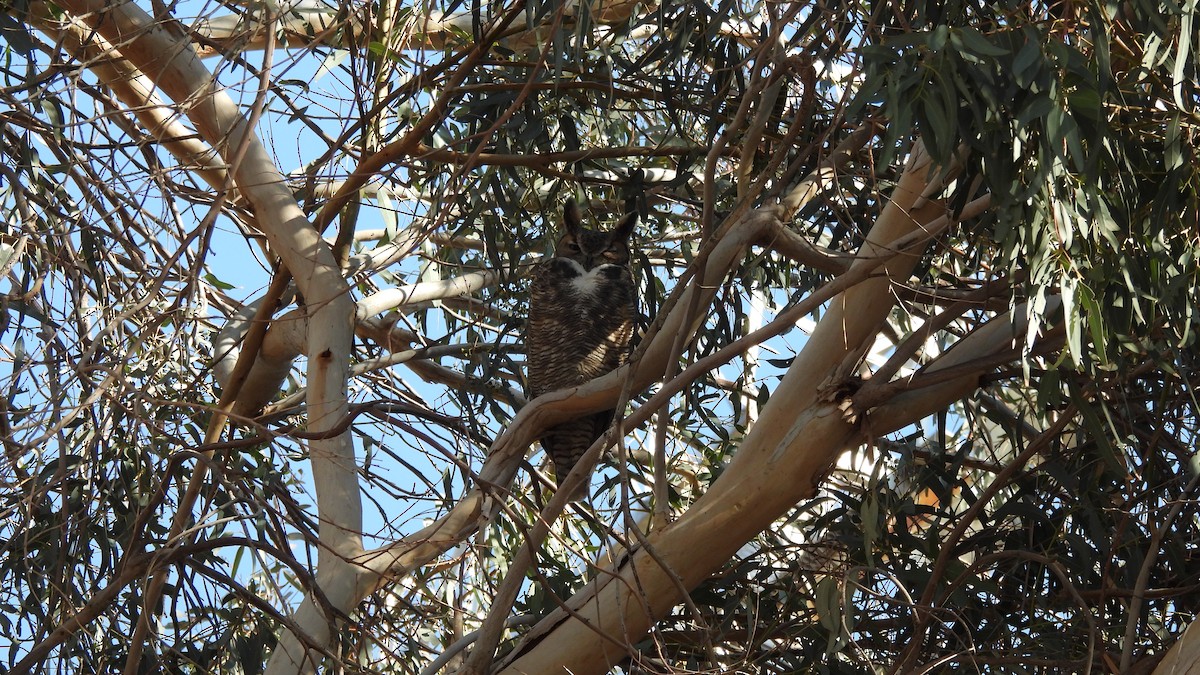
{"x": 167, "y": 59}
{"x": 779, "y": 462}
{"x": 602, "y": 393}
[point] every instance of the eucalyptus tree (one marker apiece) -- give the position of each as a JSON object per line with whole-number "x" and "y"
{"x": 912, "y": 387}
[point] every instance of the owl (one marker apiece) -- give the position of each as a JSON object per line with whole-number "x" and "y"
{"x": 582, "y": 306}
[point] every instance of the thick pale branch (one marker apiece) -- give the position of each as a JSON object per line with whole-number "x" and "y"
{"x": 136, "y": 91}
{"x": 802, "y": 251}
{"x": 288, "y": 336}
{"x": 780, "y": 461}
{"x": 430, "y": 290}
{"x": 1003, "y": 335}
{"x": 271, "y": 366}
{"x": 1184, "y": 656}
{"x": 169, "y": 61}
{"x": 426, "y": 153}
{"x": 299, "y": 27}
{"x": 307, "y": 25}
{"x": 602, "y": 393}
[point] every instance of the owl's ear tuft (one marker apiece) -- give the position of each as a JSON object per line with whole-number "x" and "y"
{"x": 572, "y": 220}
{"x": 625, "y": 227}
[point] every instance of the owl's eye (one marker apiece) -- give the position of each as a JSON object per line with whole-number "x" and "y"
{"x": 572, "y": 246}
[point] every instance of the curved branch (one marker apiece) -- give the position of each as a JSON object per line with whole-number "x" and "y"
{"x": 271, "y": 365}
{"x": 392, "y": 298}
{"x": 287, "y": 339}
{"x": 780, "y": 461}
{"x": 168, "y": 60}
{"x": 965, "y": 362}
{"x": 136, "y": 91}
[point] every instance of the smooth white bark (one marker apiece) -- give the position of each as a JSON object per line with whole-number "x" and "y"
{"x": 391, "y": 298}
{"x": 136, "y": 91}
{"x": 306, "y": 24}
{"x": 1184, "y": 656}
{"x": 167, "y": 59}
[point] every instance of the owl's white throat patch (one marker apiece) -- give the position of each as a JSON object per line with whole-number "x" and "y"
{"x": 588, "y": 281}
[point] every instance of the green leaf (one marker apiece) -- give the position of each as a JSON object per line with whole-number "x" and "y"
{"x": 387, "y": 212}
{"x": 1035, "y": 108}
{"x": 17, "y": 35}
{"x": 938, "y": 37}
{"x": 975, "y": 42}
{"x": 1027, "y": 63}
{"x": 1074, "y": 327}
{"x": 212, "y": 279}
{"x": 870, "y": 520}
{"x": 828, "y": 604}
{"x": 18, "y": 353}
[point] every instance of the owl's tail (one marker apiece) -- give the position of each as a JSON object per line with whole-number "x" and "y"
{"x": 567, "y": 442}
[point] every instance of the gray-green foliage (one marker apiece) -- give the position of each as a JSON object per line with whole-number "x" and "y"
{"x": 1079, "y": 119}
{"x": 1081, "y": 122}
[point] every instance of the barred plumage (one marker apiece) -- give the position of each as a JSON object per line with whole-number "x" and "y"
{"x": 582, "y": 306}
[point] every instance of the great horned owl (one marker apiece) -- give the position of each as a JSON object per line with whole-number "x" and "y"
{"x": 582, "y": 305}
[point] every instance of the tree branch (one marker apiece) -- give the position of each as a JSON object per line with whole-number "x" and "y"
{"x": 169, "y": 61}
{"x": 782, "y": 457}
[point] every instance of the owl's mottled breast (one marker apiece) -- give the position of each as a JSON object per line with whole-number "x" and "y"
{"x": 583, "y": 317}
